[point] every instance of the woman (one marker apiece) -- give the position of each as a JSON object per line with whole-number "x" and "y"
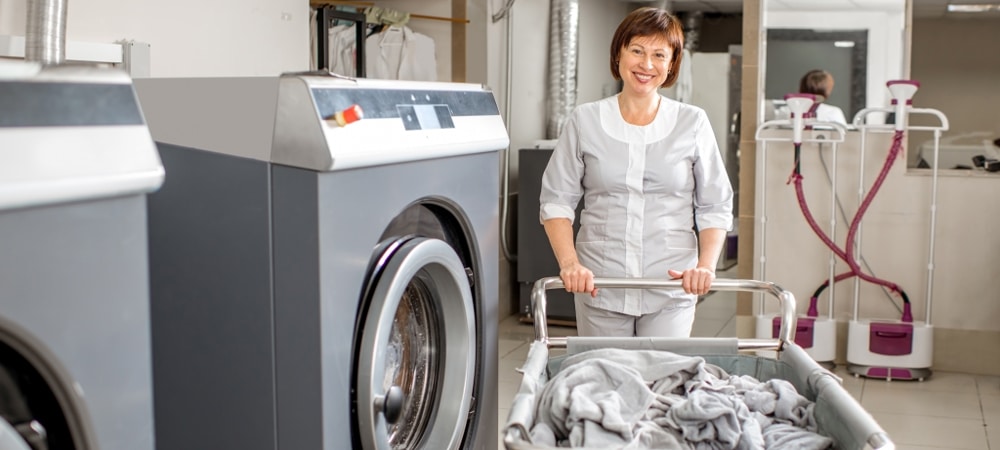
{"x": 820, "y": 82}
{"x": 650, "y": 173}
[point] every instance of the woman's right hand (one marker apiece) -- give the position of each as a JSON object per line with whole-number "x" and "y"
{"x": 577, "y": 278}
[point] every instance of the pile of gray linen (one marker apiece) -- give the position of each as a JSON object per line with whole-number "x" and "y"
{"x": 632, "y": 399}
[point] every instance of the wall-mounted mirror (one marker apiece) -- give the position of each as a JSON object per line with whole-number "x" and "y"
{"x": 861, "y": 43}
{"x": 956, "y": 60}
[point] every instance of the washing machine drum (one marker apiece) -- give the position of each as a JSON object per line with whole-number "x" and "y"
{"x": 416, "y": 356}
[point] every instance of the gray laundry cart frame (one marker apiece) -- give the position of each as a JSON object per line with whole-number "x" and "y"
{"x": 838, "y": 414}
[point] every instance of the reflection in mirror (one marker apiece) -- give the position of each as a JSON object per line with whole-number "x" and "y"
{"x": 843, "y": 54}
{"x": 957, "y": 63}
{"x": 860, "y": 43}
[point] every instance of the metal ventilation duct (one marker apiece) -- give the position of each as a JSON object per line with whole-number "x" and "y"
{"x": 45, "y": 38}
{"x": 564, "y": 47}
{"x": 691, "y": 22}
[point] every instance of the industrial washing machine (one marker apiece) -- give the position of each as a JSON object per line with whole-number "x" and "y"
{"x": 324, "y": 262}
{"x": 76, "y": 163}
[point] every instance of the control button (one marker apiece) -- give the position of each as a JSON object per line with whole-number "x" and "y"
{"x": 350, "y": 115}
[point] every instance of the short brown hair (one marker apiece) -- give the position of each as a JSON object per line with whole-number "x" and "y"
{"x": 648, "y": 21}
{"x": 816, "y": 82}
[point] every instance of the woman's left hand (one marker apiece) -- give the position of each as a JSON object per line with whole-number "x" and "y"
{"x": 696, "y": 281}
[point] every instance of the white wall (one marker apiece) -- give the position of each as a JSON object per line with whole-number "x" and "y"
{"x": 710, "y": 75}
{"x": 598, "y": 20}
{"x": 191, "y": 37}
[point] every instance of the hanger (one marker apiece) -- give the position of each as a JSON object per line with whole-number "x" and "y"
{"x": 363, "y": 4}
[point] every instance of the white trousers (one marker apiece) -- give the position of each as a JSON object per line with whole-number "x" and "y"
{"x": 673, "y": 322}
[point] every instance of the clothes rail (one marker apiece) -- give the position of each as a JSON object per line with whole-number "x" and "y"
{"x": 325, "y": 14}
{"x": 359, "y": 4}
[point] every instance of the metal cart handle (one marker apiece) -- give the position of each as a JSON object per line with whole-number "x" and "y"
{"x": 786, "y": 299}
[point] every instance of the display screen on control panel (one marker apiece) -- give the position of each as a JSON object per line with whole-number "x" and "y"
{"x": 418, "y": 109}
{"x": 425, "y": 117}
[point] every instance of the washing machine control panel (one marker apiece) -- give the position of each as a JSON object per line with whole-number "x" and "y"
{"x": 370, "y": 122}
{"x": 71, "y": 133}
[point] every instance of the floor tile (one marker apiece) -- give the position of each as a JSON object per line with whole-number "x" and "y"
{"x": 508, "y": 370}
{"x": 729, "y": 329}
{"x": 560, "y": 331}
{"x": 501, "y": 421}
{"x": 512, "y": 329}
{"x": 520, "y": 353}
{"x": 506, "y": 391}
{"x": 708, "y": 327}
{"x": 988, "y": 384}
{"x": 933, "y": 432}
{"x": 721, "y": 305}
{"x": 921, "y": 447}
{"x": 853, "y": 386}
{"x": 938, "y": 382}
{"x": 879, "y": 398}
{"x": 505, "y": 346}
{"x": 848, "y": 379}
{"x": 991, "y": 411}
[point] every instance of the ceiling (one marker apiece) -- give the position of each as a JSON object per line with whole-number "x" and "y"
{"x": 921, "y": 8}
{"x": 938, "y": 8}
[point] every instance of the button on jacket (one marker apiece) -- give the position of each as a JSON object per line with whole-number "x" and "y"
{"x": 645, "y": 190}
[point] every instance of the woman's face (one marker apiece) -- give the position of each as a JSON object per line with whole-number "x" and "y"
{"x": 644, "y": 64}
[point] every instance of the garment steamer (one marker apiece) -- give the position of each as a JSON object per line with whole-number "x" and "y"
{"x": 815, "y": 334}
{"x": 885, "y": 348}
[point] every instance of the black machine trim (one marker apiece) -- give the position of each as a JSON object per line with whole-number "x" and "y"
{"x": 382, "y": 103}
{"x": 33, "y": 104}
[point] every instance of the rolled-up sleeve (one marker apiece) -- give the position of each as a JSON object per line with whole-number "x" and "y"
{"x": 713, "y": 196}
{"x": 562, "y": 181}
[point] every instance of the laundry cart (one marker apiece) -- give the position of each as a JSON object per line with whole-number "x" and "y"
{"x": 836, "y": 414}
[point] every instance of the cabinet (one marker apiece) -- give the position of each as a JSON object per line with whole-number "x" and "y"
{"x": 534, "y": 255}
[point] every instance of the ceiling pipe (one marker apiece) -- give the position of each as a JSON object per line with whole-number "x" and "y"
{"x": 45, "y": 37}
{"x": 564, "y": 35}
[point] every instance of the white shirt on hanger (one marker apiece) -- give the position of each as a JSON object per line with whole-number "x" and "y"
{"x": 830, "y": 113}
{"x": 342, "y": 49}
{"x": 399, "y": 53}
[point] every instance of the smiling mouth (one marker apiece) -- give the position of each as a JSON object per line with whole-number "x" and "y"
{"x": 641, "y": 77}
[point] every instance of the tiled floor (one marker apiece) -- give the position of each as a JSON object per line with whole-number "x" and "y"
{"x": 948, "y": 411}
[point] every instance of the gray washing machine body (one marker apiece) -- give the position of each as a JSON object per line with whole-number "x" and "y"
{"x": 76, "y": 165}
{"x": 285, "y": 246}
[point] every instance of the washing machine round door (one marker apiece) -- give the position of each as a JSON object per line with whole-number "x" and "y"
{"x": 417, "y": 355}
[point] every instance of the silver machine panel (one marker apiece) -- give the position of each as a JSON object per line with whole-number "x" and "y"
{"x": 290, "y": 120}
{"x": 71, "y": 133}
{"x": 319, "y": 280}
{"x": 76, "y": 164}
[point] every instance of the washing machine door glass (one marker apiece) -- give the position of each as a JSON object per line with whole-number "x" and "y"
{"x": 417, "y": 355}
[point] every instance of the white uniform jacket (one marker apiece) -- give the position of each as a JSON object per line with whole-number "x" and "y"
{"x": 645, "y": 189}
{"x": 399, "y": 53}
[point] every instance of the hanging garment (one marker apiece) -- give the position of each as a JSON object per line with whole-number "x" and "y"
{"x": 399, "y": 53}
{"x": 342, "y": 50}
{"x": 313, "y": 36}
{"x": 685, "y": 79}
{"x": 376, "y": 14}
